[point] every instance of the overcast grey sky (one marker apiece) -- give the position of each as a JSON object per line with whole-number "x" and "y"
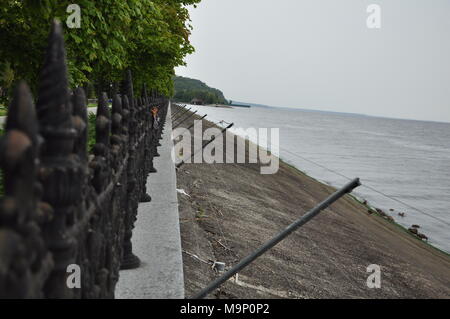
{"x": 320, "y": 54}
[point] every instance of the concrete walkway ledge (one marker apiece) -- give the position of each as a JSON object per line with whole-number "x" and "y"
{"x": 156, "y": 237}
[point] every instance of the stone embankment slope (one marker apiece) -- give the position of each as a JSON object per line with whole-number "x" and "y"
{"x": 232, "y": 209}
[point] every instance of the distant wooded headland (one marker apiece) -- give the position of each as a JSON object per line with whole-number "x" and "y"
{"x": 196, "y": 92}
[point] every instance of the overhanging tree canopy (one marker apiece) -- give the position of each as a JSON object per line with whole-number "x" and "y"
{"x": 150, "y": 37}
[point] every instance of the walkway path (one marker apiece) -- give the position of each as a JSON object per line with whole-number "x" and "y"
{"x": 156, "y": 238}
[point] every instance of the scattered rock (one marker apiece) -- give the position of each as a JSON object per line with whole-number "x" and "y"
{"x": 401, "y": 214}
{"x": 218, "y": 266}
{"x": 183, "y": 192}
{"x": 391, "y": 210}
{"x": 413, "y": 230}
{"x": 415, "y": 226}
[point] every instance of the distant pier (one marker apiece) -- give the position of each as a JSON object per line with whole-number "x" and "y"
{"x": 239, "y": 104}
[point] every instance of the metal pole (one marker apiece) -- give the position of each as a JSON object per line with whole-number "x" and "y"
{"x": 181, "y": 108}
{"x": 275, "y": 240}
{"x": 194, "y": 122}
{"x": 206, "y": 144}
{"x": 178, "y": 112}
{"x": 197, "y": 120}
{"x": 180, "y": 115}
{"x": 179, "y": 122}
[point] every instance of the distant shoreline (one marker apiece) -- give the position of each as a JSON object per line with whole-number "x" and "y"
{"x": 344, "y": 113}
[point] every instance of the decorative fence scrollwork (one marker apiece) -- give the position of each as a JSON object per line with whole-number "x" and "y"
{"x": 63, "y": 205}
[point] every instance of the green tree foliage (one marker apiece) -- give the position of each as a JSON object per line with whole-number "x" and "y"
{"x": 187, "y": 89}
{"x": 6, "y": 81}
{"x": 150, "y": 37}
{"x": 2, "y": 131}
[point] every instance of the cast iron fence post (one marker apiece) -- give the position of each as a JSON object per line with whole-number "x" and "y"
{"x": 80, "y": 123}
{"x": 60, "y": 171}
{"x": 65, "y": 209}
{"x": 130, "y": 260}
{"x": 24, "y": 257}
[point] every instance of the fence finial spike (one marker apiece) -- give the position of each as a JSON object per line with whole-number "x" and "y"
{"x": 22, "y": 113}
{"x": 144, "y": 93}
{"x": 117, "y": 104}
{"x": 103, "y": 125}
{"x": 117, "y": 115}
{"x": 80, "y": 122}
{"x": 79, "y": 103}
{"x": 103, "y": 108}
{"x": 21, "y": 134}
{"x": 129, "y": 89}
{"x": 53, "y": 104}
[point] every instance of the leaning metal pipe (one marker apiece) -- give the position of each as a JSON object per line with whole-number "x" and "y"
{"x": 176, "y": 118}
{"x": 275, "y": 240}
{"x": 187, "y": 117}
{"x": 194, "y": 122}
{"x": 192, "y": 125}
{"x": 177, "y": 113}
{"x": 206, "y": 144}
{"x": 180, "y": 109}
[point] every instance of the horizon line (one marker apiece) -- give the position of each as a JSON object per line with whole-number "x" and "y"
{"x": 343, "y": 112}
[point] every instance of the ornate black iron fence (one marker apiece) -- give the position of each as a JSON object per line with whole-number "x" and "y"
{"x": 63, "y": 206}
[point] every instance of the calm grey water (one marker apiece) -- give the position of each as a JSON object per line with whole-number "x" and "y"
{"x": 407, "y": 160}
